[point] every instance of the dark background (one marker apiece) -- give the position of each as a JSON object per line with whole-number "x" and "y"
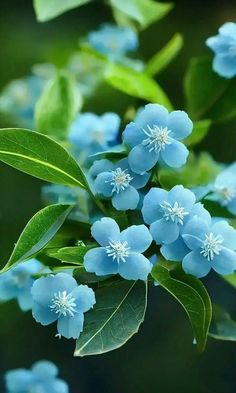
{"x": 161, "y": 357}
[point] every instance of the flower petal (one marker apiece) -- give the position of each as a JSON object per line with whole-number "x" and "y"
{"x": 225, "y": 262}
{"x": 102, "y": 184}
{"x": 43, "y": 315}
{"x": 25, "y": 298}
{"x": 111, "y": 124}
{"x": 126, "y": 199}
{"x": 70, "y": 327}
{"x": 197, "y": 228}
{"x": 138, "y": 238}
{"x": 105, "y": 230}
{"x": 133, "y": 135}
{"x": 175, "y": 251}
{"x": 227, "y": 232}
{"x": 45, "y": 369}
{"x": 183, "y": 196}
{"x": 141, "y": 160}
{"x": 97, "y": 261}
{"x": 84, "y": 297}
{"x": 175, "y": 154}
{"x": 232, "y": 206}
{"x": 136, "y": 267}
{"x": 224, "y": 65}
{"x": 151, "y": 210}
{"x": 19, "y": 380}
{"x": 194, "y": 263}
{"x": 139, "y": 181}
{"x": 153, "y": 114}
{"x": 180, "y": 124}
{"x": 164, "y": 232}
{"x": 100, "y": 166}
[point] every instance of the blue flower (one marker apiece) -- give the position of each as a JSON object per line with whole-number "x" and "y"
{"x": 211, "y": 245}
{"x": 224, "y": 189}
{"x": 42, "y": 378}
{"x": 120, "y": 252}
{"x": 155, "y": 136}
{"x": 224, "y": 47}
{"x": 16, "y": 283}
{"x": 59, "y": 298}
{"x": 113, "y": 41}
{"x": 19, "y": 97}
{"x": 118, "y": 182}
{"x": 91, "y": 133}
{"x": 166, "y": 212}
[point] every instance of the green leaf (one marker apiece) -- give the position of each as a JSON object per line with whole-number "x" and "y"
{"x": 223, "y": 327}
{"x": 49, "y": 9}
{"x": 70, "y": 254}
{"x": 38, "y": 232}
{"x": 144, "y": 12}
{"x": 165, "y": 56}
{"x": 230, "y": 279}
{"x": 136, "y": 84}
{"x": 200, "y": 130}
{"x": 198, "y": 171}
{"x": 193, "y": 297}
{"x": 116, "y": 317}
{"x": 208, "y": 94}
{"x": 39, "y": 156}
{"x": 57, "y": 106}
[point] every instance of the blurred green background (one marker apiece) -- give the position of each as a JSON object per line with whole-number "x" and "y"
{"x": 161, "y": 358}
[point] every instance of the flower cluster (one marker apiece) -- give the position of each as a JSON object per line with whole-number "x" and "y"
{"x": 42, "y": 378}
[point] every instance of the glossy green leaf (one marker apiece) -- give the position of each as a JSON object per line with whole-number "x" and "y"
{"x": 70, "y": 254}
{"x": 231, "y": 279}
{"x": 165, "y": 56}
{"x": 136, "y": 84}
{"x": 38, "y": 232}
{"x": 57, "y": 106}
{"x": 199, "y": 170}
{"x": 144, "y": 12}
{"x": 208, "y": 94}
{"x": 49, "y": 9}
{"x": 39, "y": 156}
{"x": 116, "y": 317}
{"x": 200, "y": 130}
{"x": 223, "y": 327}
{"x": 193, "y": 297}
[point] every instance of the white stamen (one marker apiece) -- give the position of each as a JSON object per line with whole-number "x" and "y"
{"x": 118, "y": 250}
{"x": 120, "y": 180}
{"x": 158, "y": 138}
{"x": 64, "y": 304}
{"x": 175, "y": 213}
{"x": 212, "y": 245}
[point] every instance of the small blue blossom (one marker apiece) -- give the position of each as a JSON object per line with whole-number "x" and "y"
{"x": 224, "y": 189}
{"x": 113, "y": 41}
{"x": 211, "y": 246}
{"x": 42, "y": 378}
{"x": 155, "y": 136}
{"x": 224, "y": 47}
{"x": 166, "y": 212}
{"x": 91, "y": 133}
{"x": 19, "y": 97}
{"x": 17, "y": 282}
{"x": 118, "y": 182}
{"x": 59, "y": 298}
{"x": 120, "y": 252}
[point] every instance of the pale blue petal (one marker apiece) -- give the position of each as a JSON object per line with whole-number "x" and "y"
{"x": 25, "y": 298}
{"x": 194, "y": 263}
{"x": 84, "y": 297}
{"x": 105, "y": 230}
{"x": 138, "y": 238}
{"x": 225, "y": 262}
{"x": 199, "y": 211}
{"x": 139, "y": 181}
{"x": 151, "y": 210}
{"x": 133, "y": 135}
{"x": 175, "y": 251}
{"x": 102, "y": 184}
{"x": 153, "y": 114}
{"x": 111, "y": 124}
{"x": 141, "y": 160}
{"x": 97, "y": 261}
{"x": 43, "y": 314}
{"x": 180, "y": 124}
{"x": 197, "y": 228}
{"x": 175, "y": 154}
{"x": 227, "y": 232}
{"x": 232, "y": 206}
{"x": 192, "y": 242}
{"x": 100, "y": 166}
{"x": 45, "y": 369}
{"x": 18, "y": 380}
{"x": 126, "y": 199}
{"x": 224, "y": 65}
{"x": 58, "y": 386}
{"x": 183, "y": 196}
{"x": 228, "y": 29}
{"x": 70, "y": 327}
{"x": 218, "y": 44}
{"x": 136, "y": 267}
{"x": 164, "y": 232}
